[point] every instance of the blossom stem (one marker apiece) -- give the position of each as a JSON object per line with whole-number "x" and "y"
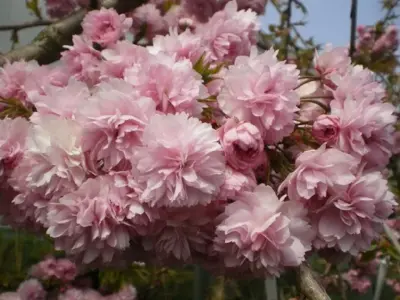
{"x": 392, "y": 237}
{"x": 35, "y": 23}
{"x": 309, "y": 100}
{"x": 353, "y": 17}
{"x": 308, "y": 79}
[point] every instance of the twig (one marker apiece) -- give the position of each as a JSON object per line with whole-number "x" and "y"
{"x": 297, "y": 33}
{"x": 309, "y": 285}
{"x": 353, "y": 17}
{"x": 323, "y": 106}
{"x": 35, "y": 23}
{"x": 288, "y": 16}
{"x": 392, "y": 237}
{"x": 47, "y": 46}
{"x": 311, "y": 79}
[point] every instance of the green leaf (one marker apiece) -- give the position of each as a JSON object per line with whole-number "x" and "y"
{"x": 33, "y": 6}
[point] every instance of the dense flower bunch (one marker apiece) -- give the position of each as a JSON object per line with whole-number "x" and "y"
{"x": 54, "y": 279}
{"x": 196, "y": 148}
{"x": 369, "y": 41}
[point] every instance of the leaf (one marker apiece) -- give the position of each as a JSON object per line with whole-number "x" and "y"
{"x": 33, "y": 6}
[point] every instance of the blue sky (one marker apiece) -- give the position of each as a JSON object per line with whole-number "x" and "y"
{"x": 329, "y": 20}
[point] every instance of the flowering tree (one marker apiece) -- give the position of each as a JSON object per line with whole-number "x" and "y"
{"x": 172, "y": 133}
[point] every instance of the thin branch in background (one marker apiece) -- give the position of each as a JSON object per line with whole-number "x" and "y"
{"x": 353, "y": 18}
{"x": 288, "y": 16}
{"x": 294, "y": 28}
{"x": 389, "y": 13}
{"x": 48, "y": 45}
{"x": 35, "y": 23}
{"x": 392, "y": 237}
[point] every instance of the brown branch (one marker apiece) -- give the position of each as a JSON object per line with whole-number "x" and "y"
{"x": 288, "y": 16}
{"x": 309, "y": 286}
{"x": 31, "y": 24}
{"x": 294, "y": 28}
{"x": 353, "y": 28}
{"x": 47, "y": 46}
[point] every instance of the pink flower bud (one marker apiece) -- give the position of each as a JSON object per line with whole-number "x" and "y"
{"x": 242, "y": 143}
{"x": 326, "y": 129}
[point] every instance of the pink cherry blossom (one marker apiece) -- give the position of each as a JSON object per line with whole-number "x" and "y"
{"x": 105, "y": 26}
{"x": 13, "y": 133}
{"x": 121, "y": 56}
{"x": 319, "y": 171}
{"x": 184, "y": 45}
{"x": 255, "y": 230}
{"x": 45, "y": 269}
{"x": 352, "y": 218}
{"x": 366, "y": 130}
{"x": 185, "y": 170}
{"x": 236, "y": 182}
{"x": 52, "y": 164}
{"x": 71, "y": 294}
{"x": 61, "y": 101}
{"x": 82, "y": 61}
{"x": 93, "y": 222}
{"x": 113, "y": 123}
{"x": 148, "y": 17}
{"x": 242, "y": 143}
{"x": 332, "y": 60}
{"x": 31, "y": 289}
{"x": 357, "y": 282}
{"x": 201, "y": 9}
{"x": 394, "y": 284}
{"x": 13, "y": 77}
{"x": 255, "y": 5}
{"x": 66, "y": 270}
{"x": 230, "y": 33}
{"x": 177, "y": 17}
{"x": 127, "y": 292}
{"x": 180, "y": 234}
{"x": 60, "y": 8}
{"x": 359, "y": 84}
{"x": 259, "y": 89}
{"x": 326, "y": 129}
{"x": 174, "y": 86}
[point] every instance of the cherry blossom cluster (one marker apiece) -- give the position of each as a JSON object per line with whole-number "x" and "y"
{"x": 368, "y": 41}
{"x": 196, "y": 148}
{"x": 41, "y": 286}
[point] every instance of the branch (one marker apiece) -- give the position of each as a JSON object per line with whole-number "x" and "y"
{"x": 288, "y": 14}
{"x": 353, "y": 17}
{"x": 35, "y": 23}
{"x": 48, "y": 45}
{"x": 309, "y": 285}
{"x": 294, "y": 28}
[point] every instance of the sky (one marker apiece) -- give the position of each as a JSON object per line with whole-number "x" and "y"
{"x": 328, "y": 20}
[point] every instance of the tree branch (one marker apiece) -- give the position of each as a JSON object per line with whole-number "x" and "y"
{"x": 35, "y": 23}
{"x": 353, "y": 17}
{"x": 288, "y": 15}
{"x": 48, "y": 45}
{"x": 309, "y": 285}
